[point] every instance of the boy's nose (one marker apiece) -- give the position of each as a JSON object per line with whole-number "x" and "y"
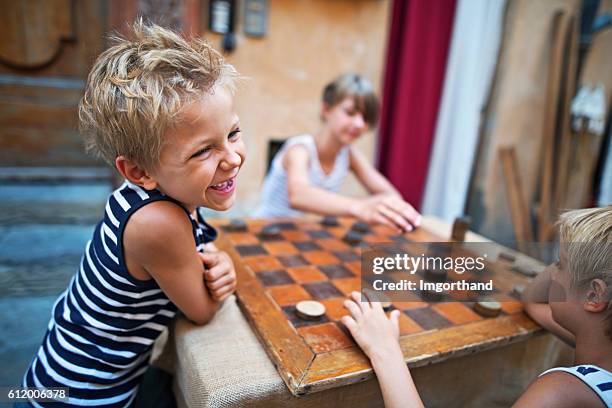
{"x": 231, "y": 160}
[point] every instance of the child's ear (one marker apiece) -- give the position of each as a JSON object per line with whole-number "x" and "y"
{"x": 135, "y": 173}
{"x": 597, "y": 296}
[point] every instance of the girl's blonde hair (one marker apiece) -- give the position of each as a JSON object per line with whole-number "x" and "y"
{"x": 137, "y": 87}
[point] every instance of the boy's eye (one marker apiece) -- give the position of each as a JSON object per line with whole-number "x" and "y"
{"x": 234, "y": 134}
{"x": 200, "y": 152}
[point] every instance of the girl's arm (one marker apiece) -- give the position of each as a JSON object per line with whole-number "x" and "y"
{"x": 378, "y": 336}
{"x": 158, "y": 240}
{"x": 303, "y": 196}
{"x": 367, "y": 174}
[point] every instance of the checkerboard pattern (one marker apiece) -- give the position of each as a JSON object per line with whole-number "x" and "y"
{"x": 309, "y": 260}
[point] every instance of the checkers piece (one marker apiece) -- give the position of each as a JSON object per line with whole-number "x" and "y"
{"x": 236, "y": 225}
{"x": 487, "y": 309}
{"x": 379, "y": 297}
{"x": 360, "y": 227}
{"x": 330, "y": 221}
{"x": 435, "y": 275}
{"x": 507, "y": 256}
{"x": 270, "y": 231}
{"x": 353, "y": 238}
{"x": 310, "y": 309}
{"x": 460, "y": 227}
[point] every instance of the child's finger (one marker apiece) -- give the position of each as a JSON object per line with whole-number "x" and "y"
{"x": 209, "y": 259}
{"x": 361, "y": 300}
{"x": 395, "y": 217}
{"x": 394, "y": 317}
{"x": 349, "y": 323}
{"x": 219, "y": 283}
{"x": 216, "y": 272}
{"x": 381, "y": 219}
{"x": 227, "y": 289}
{"x": 353, "y": 309}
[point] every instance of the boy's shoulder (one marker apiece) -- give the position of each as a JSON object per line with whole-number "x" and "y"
{"x": 559, "y": 389}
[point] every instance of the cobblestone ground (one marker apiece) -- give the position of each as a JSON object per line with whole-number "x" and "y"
{"x": 43, "y": 231}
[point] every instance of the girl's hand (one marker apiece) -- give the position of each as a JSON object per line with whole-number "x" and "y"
{"x": 387, "y": 209}
{"x": 219, "y": 274}
{"x": 376, "y": 334}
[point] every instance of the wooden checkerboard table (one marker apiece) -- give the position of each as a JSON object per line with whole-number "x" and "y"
{"x": 307, "y": 260}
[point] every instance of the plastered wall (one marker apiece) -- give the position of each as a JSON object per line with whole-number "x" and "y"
{"x": 308, "y": 43}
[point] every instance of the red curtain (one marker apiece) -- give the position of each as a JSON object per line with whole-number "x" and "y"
{"x": 416, "y": 62}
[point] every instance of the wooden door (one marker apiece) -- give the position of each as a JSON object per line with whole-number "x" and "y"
{"x": 46, "y": 50}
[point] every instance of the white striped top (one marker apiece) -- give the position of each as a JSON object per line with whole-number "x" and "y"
{"x": 103, "y": 326}
{"x": 598, "y": 379}
{"x": 275, "y": 199}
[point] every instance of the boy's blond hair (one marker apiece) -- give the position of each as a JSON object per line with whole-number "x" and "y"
{"x": 586, "y": 237}
{"x": 136, "y": 89}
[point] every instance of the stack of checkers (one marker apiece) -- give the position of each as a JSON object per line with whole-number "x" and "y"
{"x": 355, "y": 235}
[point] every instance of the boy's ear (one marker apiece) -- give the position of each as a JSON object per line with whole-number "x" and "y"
{"x": 135, "y": 173}
{"x": 597, "y": 296}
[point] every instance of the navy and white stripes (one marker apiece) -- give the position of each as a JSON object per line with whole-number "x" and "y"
{"x": 598, "y": 379}
{"x": 103, "y": 326}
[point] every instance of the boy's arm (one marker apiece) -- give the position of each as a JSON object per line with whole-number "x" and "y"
{"x": 378, "y": 336}
{"x": 158, "y": 238}
{"x": 537, "y": 306}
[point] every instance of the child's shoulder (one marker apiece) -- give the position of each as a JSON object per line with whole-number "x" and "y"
{"x": 559, "y": 389}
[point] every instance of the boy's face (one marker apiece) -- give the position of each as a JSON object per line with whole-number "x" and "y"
{"x": 203, "y": 153}
{"x": 345, "y": 121}
{"x": 564, "y": 302}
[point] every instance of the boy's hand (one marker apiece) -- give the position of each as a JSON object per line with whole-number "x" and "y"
{"x": 388, "y": 209}
{"x": 219, "y": 274}
{"x": 372, "y": 330}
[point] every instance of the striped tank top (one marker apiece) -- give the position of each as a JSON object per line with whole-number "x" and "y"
{"x": 103, "y": 326}
{"x": 275, "y": 198}
{"x": 598, "y": 379}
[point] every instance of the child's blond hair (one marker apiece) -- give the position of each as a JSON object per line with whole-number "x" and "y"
{"x": 138, "y": 86}
{"x": 586, "y": 237}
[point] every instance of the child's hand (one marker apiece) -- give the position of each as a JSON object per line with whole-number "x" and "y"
{"x": 372, "y": 330}
{"x": 388, "y": 209}
{"x": 219, "y": 273}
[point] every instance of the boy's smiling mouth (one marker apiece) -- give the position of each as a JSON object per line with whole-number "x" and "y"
{"x": 224, "y": 186}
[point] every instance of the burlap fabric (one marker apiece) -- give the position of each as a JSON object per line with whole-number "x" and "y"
{"x": 223, "y": 364}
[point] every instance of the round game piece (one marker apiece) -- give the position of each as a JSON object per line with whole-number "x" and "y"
{"x": 270, "y": 231}
{"x": 330, "y": 221}
{"x": 507, "y": 256}
{"x": 378, "y": 297}
{"x": 435, "y": 275}
{"x": 236, "y": 225}
{"x": 310, "y": 309}
{"x": 361, "y": 227}
{"x": 487, "y": 309}
{"x": 352, "y": 238}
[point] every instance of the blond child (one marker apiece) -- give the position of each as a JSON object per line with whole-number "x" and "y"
{"x": 577, "y": 290}
{"x": 160, "y": 109}
{"x": 308, "y": 171}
